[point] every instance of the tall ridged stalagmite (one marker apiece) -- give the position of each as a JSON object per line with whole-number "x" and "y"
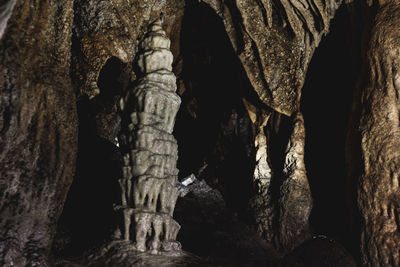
{"x": 150, "y": 150}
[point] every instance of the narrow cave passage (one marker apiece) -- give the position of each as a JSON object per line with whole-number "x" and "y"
{"x": 213, "y": 127}
{"x": 326, "y": 106}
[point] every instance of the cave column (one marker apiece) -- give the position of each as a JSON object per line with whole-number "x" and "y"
{"x": 150, "y": 151}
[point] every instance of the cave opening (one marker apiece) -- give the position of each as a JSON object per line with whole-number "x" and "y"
{"x": 326, "y": 105}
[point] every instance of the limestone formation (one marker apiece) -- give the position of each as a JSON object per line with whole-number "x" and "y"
{"x": 282, "y": 204}
{"x": 105, "y": 29}
{"x": 378, "y": 194}
{"x": 38, "y": 127}
{"x": 295, "y": 201}
{"x": 52, "y": 53}
{"x": 262, "y": 203}
{"x": 275, "y": 43}
{"x": 150, "y": 151}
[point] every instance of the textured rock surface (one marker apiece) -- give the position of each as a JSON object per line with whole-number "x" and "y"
{"x": 244, "y": 50}
{"x": 378, "y": 188}
{"x": 295, "y": 195}
{"x": 275, "y": 42}
{"x": 262, "y": 204}
{"x": 282, "y": 204}
{"x": 112, "y": 28}
{"x": 38, "y": 128}
{"x": 150, "y": 151}
{"x": 6, "y": 8}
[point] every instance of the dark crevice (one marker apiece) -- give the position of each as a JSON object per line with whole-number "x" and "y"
{"x": 212, "y": 125}
{"x": 278, "y": 131}
{"x": 88, "y": 217}
{"x": 215, "y": 136}
{"x": 326, "y": 106}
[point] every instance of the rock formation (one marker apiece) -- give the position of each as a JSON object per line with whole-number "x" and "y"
{"x": 275, "y": 43}
{"x": 150, "y": 151}
{"x": 52, "y": 53}
{"x": 295, "y": 201}
{"x": 6, "y": 9}
{"x": 283, "y": 202}
{"x": 378, "y": 133}
{"x": 38, "y": 128}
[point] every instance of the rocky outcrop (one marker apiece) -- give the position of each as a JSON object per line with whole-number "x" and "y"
{"x": 38, "y": 128}
{"x": 150, "y": 151}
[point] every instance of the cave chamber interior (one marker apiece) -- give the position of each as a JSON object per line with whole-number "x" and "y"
{"x": 216, "y": 143}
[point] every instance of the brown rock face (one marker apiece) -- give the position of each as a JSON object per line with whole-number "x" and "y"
{"x": 6, "y": 8}
{"x": 378, "y": 191}
{"x": 239, "y": 67}
{"x": 105, "y": 29}
{"x": 275, "y": 42}
{"x": 282, "y": 204}
{"x": 38, "y": 128}
{"x": 295, "y": 195}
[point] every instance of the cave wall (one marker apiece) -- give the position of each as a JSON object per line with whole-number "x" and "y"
{"x": 372, "y": 136}
{"x": 38, "y": 128}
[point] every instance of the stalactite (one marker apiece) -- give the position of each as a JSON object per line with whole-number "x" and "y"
{"x": 148, "y": 192}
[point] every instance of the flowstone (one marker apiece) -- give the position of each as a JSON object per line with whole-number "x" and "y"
{"x": 150, "y": 151}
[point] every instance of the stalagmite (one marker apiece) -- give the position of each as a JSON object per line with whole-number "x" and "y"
{"x": 295, "y": 195}
{"x": 150, "y": 151}
{"x": 261, "y": 203}
{"x": 282, "y": 204}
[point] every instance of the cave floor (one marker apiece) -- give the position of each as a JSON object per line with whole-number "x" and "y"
{"x": 212, "y": 235}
